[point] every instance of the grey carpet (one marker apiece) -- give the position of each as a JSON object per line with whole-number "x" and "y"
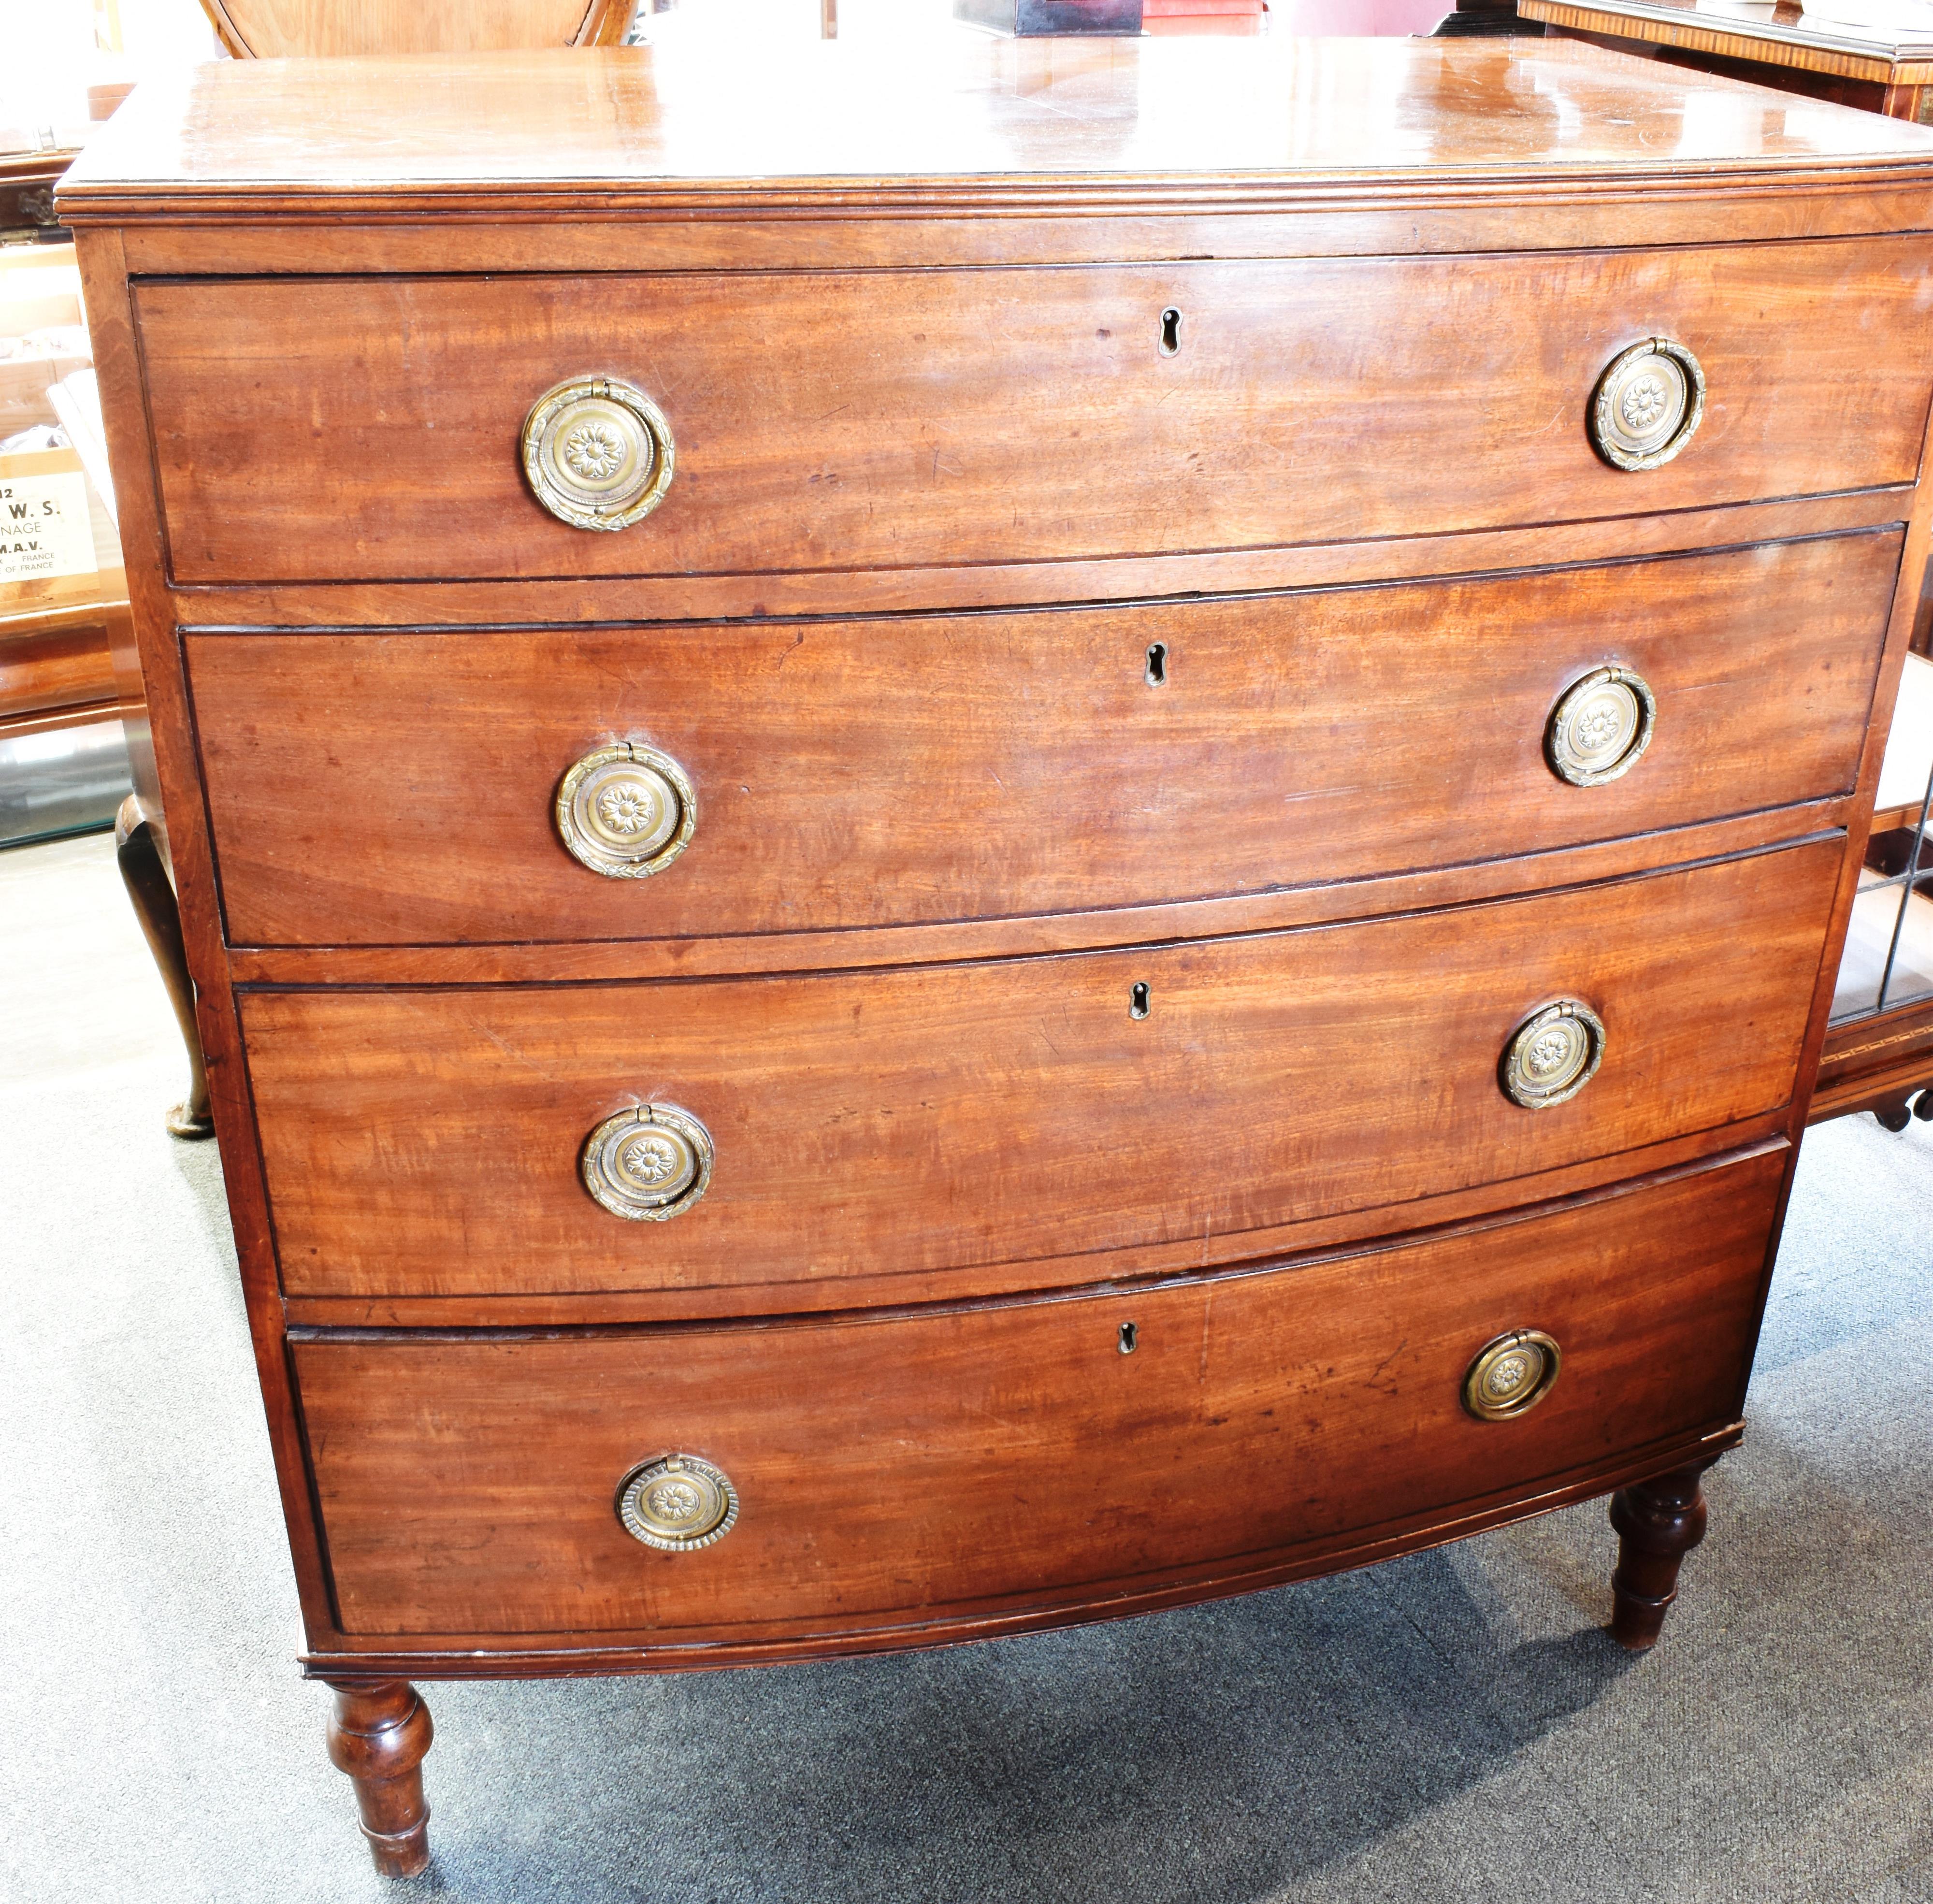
{"x": 1453, "y": 1726}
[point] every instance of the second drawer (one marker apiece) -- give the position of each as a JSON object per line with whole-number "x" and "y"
{"x": 374, "y": 789}
{"x": 432, "y": 1142}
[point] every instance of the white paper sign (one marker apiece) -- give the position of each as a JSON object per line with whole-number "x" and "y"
{"x": 44, "y": 530}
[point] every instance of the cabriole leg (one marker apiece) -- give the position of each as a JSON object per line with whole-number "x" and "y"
{"x": 1658, "y": 1523}
{"x": 146, "y": 880}
{"x": 378, "y": 1734}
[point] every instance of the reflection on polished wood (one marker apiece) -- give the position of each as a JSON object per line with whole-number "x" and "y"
{"x": 1031, "y": 124}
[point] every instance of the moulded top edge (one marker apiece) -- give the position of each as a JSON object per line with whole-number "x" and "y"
{"x": 1001, "y": 123}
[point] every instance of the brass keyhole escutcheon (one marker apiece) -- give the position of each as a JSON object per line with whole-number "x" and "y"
{"x": 597, "y": 453}
{"x": 1647, "y": 404}
{"x": 1511, "y": 1375}
{"x": 627, "y": 811}
{"x": 1553, "y": 1055}
{"x": 1600, "y": 727}
{"x": 678, "y": 1503}
{"x": 647, "y": 1164}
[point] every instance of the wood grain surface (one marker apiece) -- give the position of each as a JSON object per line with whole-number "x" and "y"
{"x": 963, "y": 416}
{"x": 845, "y": 127}
{"x": 378, "y": 790}
{"x": 58, "y": 660}
{"x": 891, "y": 1468}
{"x": 427, "y": 1142}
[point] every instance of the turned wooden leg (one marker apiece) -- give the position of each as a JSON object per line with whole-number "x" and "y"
{"x": 1658, "y": 1523}
{"x": 148, "y": 884}
{"x": 378, "y": 1735}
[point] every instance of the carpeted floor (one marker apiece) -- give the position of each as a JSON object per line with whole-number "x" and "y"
{"x": 1451, "y": 1727}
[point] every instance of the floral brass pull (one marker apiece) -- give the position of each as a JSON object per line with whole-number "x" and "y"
{"x": 678, "y": 1503}
{"x": 1647, "y": 404}
{"x": 1600, "y": 727}
{"x": 649, "y": 1164}
{"x": 597, "y": 453}
{"x": 626, "y": 811}
{"x": 1553, "y": 1055}
{"x": 1511, "y": 1375}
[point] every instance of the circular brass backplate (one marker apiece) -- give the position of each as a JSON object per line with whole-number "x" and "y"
{"x": 627, "y": 811}
{"x": 1553, "y": 1055}
{"x": 1647, "y": 404}
{"x": 597, "y": 453}
{"x": 678, "y": 1503}
{"x": 1600, "y": 727}
{"x": 1511, "y": 1375}
{"x": 649, "y": 1164}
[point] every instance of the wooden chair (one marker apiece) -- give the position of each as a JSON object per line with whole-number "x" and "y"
{"x": 276, "y": 29}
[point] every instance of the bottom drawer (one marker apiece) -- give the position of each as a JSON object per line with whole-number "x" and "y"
{"x": 910, "y": 1468}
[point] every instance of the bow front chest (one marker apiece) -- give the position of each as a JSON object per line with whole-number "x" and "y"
{"x": 973, "y": 840}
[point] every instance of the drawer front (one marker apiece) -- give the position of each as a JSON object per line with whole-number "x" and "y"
{"x": 427, "y": 1142}
{"x": 398, "y": 789}
{"x": 905, "y": 418}
{"x": 900, "y": 1468}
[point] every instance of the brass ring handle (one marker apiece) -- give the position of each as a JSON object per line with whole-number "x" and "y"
{"x": 1600, "y": 727}
{"x": 1553, "y": 1055}
{"x": 1647, "y": 404}
{"x": 597, "y": 453}
{"x": 678, "y": 1503}
{"x": 649, "y": 1164}
{"x": 626, "y": 811}
{"x": 1511, "y": 1375}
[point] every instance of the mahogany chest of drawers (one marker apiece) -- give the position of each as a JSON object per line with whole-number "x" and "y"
{"x": 971, "y": 843}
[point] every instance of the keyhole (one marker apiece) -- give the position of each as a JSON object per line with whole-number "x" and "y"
{"x": 1138, "y": 1002}
{"x": 1128, "y": 1336}
{"x": 1157, "y": 663}
{"x": 1171, "y": 332}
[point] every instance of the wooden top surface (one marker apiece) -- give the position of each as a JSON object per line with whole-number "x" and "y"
{"x": 1780, "y": 35}
{"x": 1207, "y": 120}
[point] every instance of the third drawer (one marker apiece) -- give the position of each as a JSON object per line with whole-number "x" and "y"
{"x": 933, "y": 1119}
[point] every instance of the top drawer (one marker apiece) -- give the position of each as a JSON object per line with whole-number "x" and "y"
{"x": 327, "y": 429}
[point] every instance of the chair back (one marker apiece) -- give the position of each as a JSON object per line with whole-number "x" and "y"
{"x": 271, "y": 29}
